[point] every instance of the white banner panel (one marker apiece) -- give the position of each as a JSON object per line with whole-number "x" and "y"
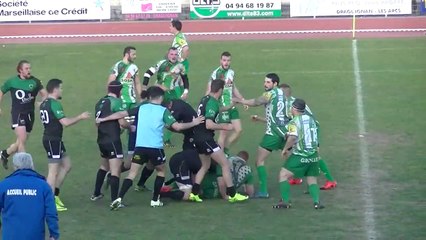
{"x": 47, "y": 10}
{"x": 310, "y": 8}
{"x": 151, "y": 6}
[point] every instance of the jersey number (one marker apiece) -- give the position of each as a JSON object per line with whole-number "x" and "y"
{"x": 98, "y": 113}
{"x": 199, "y": 109}
{"x": 44, "y": 116}
{"x": 310, "y": 136}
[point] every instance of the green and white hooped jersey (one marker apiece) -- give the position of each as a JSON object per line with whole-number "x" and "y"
{"x": 275, "y": 115}
{"x": 226, "y": 75}
{"x": 126, "y": 74}
{"x": 306, "y": 130}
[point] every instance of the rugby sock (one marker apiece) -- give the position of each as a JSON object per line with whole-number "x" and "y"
{"x": 123, "y": 168}
{"x": 127, "y": 183}
{"x": 314, "y": 191}
{"x": 146, "y": 173}
{"x": 261, "y": 171}
{"x": 57, "y": 191}
{"x": 196, "y": 188}
{"x": 99, "y": 181}
{"x": 159, "y": 181}
{"x": 115, "y": 184}
{"x": 175, "y": 195}
{"x": 230, "y": 191}
{"x": 323, "y": 167}
{"x": 285, "y": 191}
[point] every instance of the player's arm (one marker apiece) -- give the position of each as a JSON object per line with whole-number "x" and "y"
{"x": 124, "y": 124}
{"x": 114, "y": 116}
{"x": 208, "y": 87}
{"x": 262, "y": 100}
{"x": 185, "y": 52}
{"x": 1, "y": 98}
{"x": 111, "y": 77}
{"x": 43, "y": 94}
{"x": 291, "y": 140}
{"x": 236, "y": 93}
{"x": 138, "y": 87}
{"x": 211, "y": 125}
{"x": 183, "y": 126}
{"x": 71, "y": 121}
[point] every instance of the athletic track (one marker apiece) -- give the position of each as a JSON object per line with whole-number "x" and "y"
{"x": 213, "y": 30}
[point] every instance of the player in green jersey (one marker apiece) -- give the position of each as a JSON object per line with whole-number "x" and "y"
{"x": 330, "y": 183}
{"x": 171, "y": 76}
{"x": 225, "y": 73}
{"x": 180, "y": 43}
{"x": 274, "y": 138}
{"x": 53, "y": 118}
{"x": 24, "y": 89}
{"x": 300, "y": 155}
{"x": 127, "y": 73}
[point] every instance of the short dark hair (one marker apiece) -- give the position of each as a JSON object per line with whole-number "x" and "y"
{"x": 177, "y": 24}
{"x": 128, "y": 49}
{"x": 53, "y": 84}
{"x": 216, "y": 85}
{"x": 225, "y": 54}
{"x": 244, "y": 155}
{"x": 274, "y": 77}
{"x": 284, "y": 85}
{"x": 20, "y": 64}
{"x": 172, "y": 48}
{"x": 155, "y": 92}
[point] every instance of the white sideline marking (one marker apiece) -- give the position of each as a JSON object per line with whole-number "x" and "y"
{"x": 367, "y": 193}
{"x": 211, "y": 33}
{"x": 314, "y": 50}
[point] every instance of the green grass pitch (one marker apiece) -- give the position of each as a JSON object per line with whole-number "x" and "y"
{"x": 393, "y": 73}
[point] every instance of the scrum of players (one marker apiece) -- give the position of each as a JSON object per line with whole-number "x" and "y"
{"x": 151, "y": 114}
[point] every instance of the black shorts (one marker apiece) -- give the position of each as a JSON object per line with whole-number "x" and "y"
{"x": 207, "y": 147}
{"x": 188, "y": 143}
{"x": 180, "y": 171}
{"x": 143, "y": 155}
{"x": 23, "y": 119}
{"x": 55, "y": 150}
{"x": 111, "y": 150}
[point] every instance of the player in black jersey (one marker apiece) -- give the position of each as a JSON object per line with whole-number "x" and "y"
{"x": 53, "y": 118}
{"x": 109, "y": 141}
{"x": 23, "y": 89}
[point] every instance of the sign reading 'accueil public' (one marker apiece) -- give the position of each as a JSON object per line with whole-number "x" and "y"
{"x": 46, "y": 10}
{"x": 235, "y": 9}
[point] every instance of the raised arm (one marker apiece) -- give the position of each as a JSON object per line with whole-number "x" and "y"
{"x": 71, "y": 121}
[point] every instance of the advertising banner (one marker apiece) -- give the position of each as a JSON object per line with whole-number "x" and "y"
{"x": 150, "y": 9}
{"x": 47, "y": 10}
{"x": 311, "y": 8}
{"x": 235, "y": 9}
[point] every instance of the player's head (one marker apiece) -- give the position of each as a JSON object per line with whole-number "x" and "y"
{"x": 24, "y": 69}
{"x": 115, "y": 87}
{"x": 298, "y": 106}
{"x": 225, "y": 60}
{"x": 54, "y": 88}
{"x": 175, "y": 26}
{"x": 129, "y": 53}
{"x": 172, "y": 54}
{"x": 155, "y": 94}
{"x": 216, "y": 87}
{"x": 271, "y": 81}
{"x": 286, "y": 89}
{"x": 244, "y": 155}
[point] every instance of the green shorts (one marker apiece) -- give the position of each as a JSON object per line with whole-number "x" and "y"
{"x": 185, "y": 63}
{"x": 228, "y": 116}
{"x": 209, "y": 186}
{"x": 272, "y": 142}
{"x": 129, "y": 105}
{"x": 303, "y": 166}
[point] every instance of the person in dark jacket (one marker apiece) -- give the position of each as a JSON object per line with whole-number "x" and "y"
{"x": 26, "y": 202}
